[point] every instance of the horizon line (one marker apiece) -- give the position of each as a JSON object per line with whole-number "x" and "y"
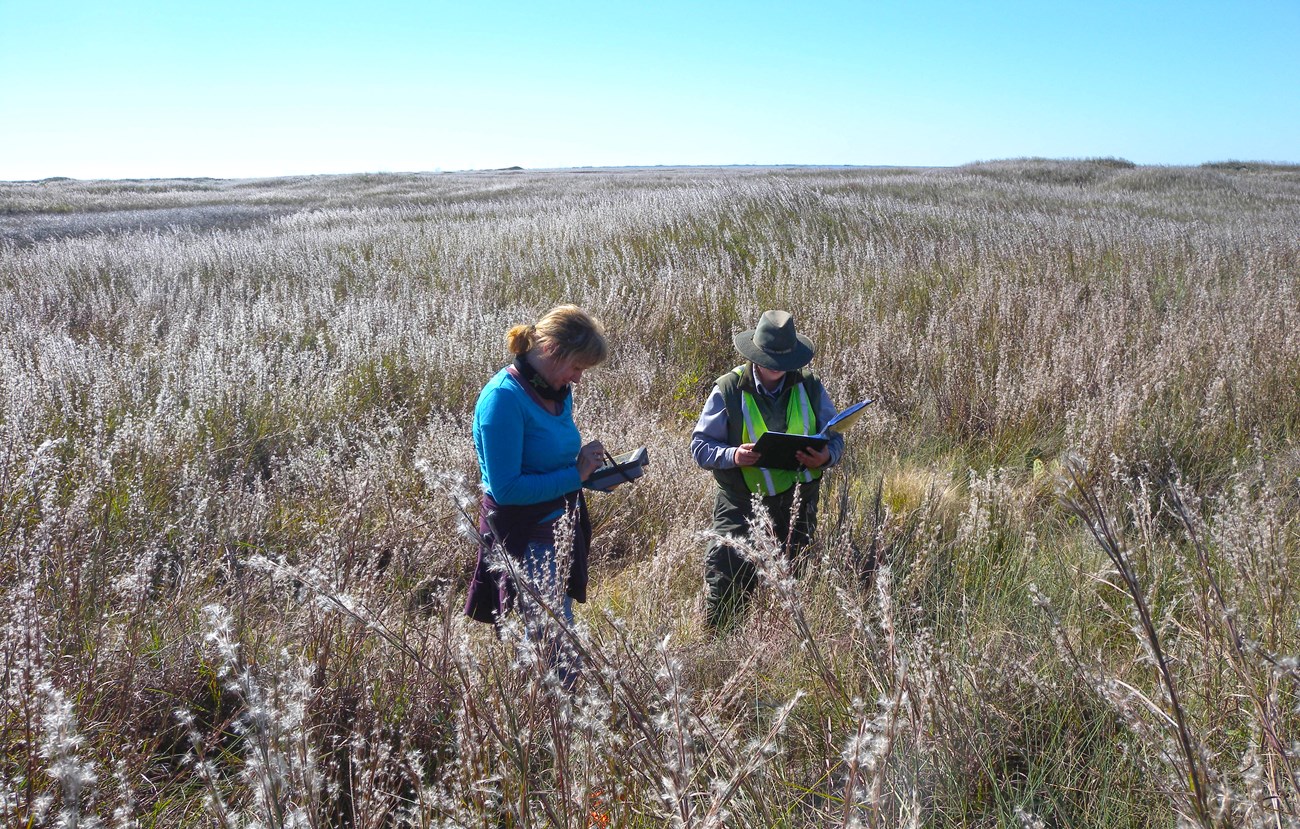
{"x": 1244, "y": 163}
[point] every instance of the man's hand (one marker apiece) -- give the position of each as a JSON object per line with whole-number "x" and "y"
{"x": 813, "y": 458}
{"x": 746, "y": 456}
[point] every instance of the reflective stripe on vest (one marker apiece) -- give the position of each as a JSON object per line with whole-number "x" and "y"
{"x": 799, "y": 420}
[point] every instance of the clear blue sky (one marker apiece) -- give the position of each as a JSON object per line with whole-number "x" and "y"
{"x": 236, "y": 88}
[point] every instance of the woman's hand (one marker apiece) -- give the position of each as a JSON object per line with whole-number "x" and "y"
{"x": 746, "y": 456}
{"x": 590, "y": 458}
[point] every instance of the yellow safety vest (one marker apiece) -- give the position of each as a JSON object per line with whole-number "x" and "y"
{"x": 799, "y": 420}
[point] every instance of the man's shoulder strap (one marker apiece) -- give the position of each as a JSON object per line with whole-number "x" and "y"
{"x": 733, "y": 379}
{"x": 741, "y": 377}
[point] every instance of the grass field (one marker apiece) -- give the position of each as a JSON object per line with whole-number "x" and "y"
{"x": 1057, "y": 570}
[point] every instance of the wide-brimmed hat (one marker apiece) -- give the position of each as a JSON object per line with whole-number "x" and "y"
{"x": 774, "y": 344}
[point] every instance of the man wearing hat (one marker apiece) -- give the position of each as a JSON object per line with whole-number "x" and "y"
{"x": 771, "y": 392}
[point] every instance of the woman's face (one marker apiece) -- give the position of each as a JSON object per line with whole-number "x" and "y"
{"x": 561, "y": 371}
{"x": 568, "y": 371}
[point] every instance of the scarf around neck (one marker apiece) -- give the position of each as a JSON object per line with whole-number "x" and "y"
{"x": 538, "y": 383}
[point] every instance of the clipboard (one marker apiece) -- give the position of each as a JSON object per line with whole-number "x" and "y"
{"x": 619, "y": 469}
{"x": 778, "y": 448}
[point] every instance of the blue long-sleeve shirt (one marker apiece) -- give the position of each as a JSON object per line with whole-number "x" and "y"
{"x": 526, "y": 455}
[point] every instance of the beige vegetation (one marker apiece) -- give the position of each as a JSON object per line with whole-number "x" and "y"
{"x": 1057, "y": 578}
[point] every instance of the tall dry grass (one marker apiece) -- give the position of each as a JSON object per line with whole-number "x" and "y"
{"x": 1055, "y": 583}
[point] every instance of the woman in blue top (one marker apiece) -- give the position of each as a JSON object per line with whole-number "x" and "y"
{"x": 532, "y": 463}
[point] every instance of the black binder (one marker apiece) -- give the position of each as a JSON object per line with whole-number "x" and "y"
{"x": 778, "y": 448}
{"x": 619, "y": 469}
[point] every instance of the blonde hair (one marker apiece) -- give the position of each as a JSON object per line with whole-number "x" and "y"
{"x": 568, "y": 331}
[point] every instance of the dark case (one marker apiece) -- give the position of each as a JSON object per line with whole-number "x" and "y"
{"x": 626, "y": 467}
